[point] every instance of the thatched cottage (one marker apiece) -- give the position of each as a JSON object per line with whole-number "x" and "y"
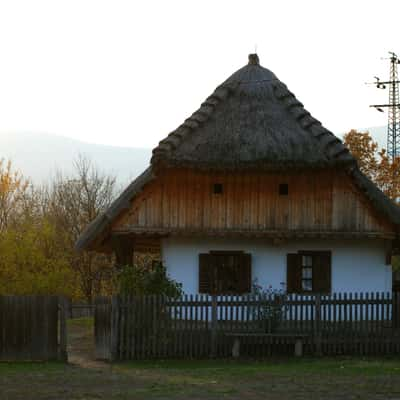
{"x": 251, "y": 186}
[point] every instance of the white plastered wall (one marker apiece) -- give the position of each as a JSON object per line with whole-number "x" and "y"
{"x": 357, "y": 265}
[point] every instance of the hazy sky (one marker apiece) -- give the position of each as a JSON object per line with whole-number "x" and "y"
{"x": 129, "y": 72}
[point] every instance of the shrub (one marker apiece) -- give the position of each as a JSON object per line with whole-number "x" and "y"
{"x": 141, "y": 281}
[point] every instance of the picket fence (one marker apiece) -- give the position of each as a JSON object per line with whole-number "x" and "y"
{"x": 200, "y": 326}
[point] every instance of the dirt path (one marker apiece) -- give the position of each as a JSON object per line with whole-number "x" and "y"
{"x": 81, "y": 351}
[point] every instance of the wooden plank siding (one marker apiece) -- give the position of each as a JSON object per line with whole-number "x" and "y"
{"x": 319, "y": 201}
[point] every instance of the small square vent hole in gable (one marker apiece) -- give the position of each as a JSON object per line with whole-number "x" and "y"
{"x": 283, "y": 189}
{"x": 218, "y": 188}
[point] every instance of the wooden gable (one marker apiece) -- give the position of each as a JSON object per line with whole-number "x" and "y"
{"x": 317, "y": 202}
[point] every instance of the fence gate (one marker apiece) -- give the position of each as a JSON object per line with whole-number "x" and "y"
{"x": 102, "y": 328}
{"x": 32, "y": 328}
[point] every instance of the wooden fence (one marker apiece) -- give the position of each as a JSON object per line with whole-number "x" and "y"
{"x": 202, "y": 326}
{"x": 32, "y": 328}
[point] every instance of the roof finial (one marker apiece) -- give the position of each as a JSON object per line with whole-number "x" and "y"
{"x": 253, "y": 59}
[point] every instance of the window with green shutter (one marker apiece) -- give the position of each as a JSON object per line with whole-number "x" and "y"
{"x": 224, "y": 272}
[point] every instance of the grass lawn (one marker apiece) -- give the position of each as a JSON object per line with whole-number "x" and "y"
{"x": 273, "y": 379}
{"x": 84, "y": 379}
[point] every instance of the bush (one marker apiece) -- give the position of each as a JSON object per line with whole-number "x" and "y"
{"x": 141, "y": 281}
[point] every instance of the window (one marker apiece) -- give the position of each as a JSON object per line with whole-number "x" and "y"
{"x": 217, "y": 188}
{"x": 283, "y": 189}
{"x": 309, "y": 272}
{"x": 306, "y": 273}
{"x": 222, "y": 272}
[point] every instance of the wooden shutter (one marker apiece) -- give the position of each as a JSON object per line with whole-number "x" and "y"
{"x": 293, "y": 273}
{"x": 205, "y": 273}
{"x": 322, "y": 274}
{"x": 245, "y": 273}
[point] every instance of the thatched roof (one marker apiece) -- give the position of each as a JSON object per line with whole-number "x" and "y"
{"x": 251, "y": 120}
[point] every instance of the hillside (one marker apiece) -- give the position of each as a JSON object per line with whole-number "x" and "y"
{"x": 39, "y": 155}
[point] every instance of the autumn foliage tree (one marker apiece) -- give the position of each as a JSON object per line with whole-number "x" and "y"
{"x": 31, "y": 261}
{"x": 13, "y": 190}
{"x": 39, "y": 227}
{"x": 374, "y": 162}
{"x": 388, "y": 175}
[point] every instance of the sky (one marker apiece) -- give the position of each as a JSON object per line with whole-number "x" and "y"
{"x": 126, "y": 73}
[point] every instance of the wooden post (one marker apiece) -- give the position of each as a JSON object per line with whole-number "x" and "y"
{"x": 317, "y": 326}
{"x": 114, "y": 327}
{"x": 298, "y": 347}
{"x": 236, "y": 348}
{"x": 62, "y": 306}
{"x": 395, "y": 309}
{"x": 214, "y": 322}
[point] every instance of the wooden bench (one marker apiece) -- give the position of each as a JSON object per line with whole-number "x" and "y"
{"x": 297, "y": 337}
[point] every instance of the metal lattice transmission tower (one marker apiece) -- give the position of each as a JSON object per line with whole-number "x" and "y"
{"x": 393, "y": 134}
{"x": 393, "y": 129}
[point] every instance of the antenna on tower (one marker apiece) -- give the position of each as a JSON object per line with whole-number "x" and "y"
{"x": 393, "y": 129}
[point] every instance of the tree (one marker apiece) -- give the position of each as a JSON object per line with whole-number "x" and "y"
{"x": 73, "y": 203}
{"x": 31, "y": 262}
{"x": 13, "y": 189}
{"x": 364, "y": 149}
{"x": 39, "y": 227}
{"x": 387, "y": 176}
{"x": 375, "y": 163}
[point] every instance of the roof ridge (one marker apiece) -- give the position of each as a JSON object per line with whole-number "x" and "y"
{"x": 332, "y": 146}
{"x": 249, "y": 81}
